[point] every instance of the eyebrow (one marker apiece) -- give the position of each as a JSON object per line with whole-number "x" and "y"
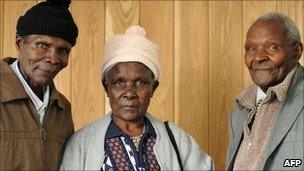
{"x": 43, "y": 41}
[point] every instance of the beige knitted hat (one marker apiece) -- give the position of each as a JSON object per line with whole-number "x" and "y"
{"x": 133, "y": 46}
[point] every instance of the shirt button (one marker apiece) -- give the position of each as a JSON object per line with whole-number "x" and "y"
{"x": 249, "y": 145}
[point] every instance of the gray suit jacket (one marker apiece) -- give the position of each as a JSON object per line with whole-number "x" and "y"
{"x": 286, "y": 138}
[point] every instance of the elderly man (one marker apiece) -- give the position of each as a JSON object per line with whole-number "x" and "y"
{"x": 266, "y": 127}
{"x": 128, "y": 138}
{"x": 35, "y": 118}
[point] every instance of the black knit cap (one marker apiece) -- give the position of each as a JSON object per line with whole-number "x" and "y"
{"x": 51, "y": 18}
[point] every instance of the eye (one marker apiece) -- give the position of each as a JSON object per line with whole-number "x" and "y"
{"x": 41, "y": 45}
{"x": 250, "y": 49}
{"x": 64, "y": 51}
{"x": 140, "y": 83}
{"x": 118, "y": 84}
{"x": 272, "y": 47}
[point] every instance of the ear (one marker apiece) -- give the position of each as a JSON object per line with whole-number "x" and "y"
{"x": 155, "y": 85}
{"x": 105, "y": 86}
{"x": 298, "y": 51}
{"x": 18, "y": 42}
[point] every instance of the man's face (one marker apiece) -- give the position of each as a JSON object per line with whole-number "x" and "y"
{"x": 268, "y": 55}
{"x": 41, "y": 57}
{"x": 129, "y": 86}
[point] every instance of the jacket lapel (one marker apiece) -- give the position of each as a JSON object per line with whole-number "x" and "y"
{"x": 289, "y": 112}
{"x": 238, "y": 134}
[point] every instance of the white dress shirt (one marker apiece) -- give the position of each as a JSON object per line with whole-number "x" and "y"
{"x": 260, "y": 95}
{"x": 40, "y": 106}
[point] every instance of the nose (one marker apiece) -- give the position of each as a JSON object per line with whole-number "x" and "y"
{"x": 260, "y": 56}
{"x": 130, "y": 92}
{"x": 52, "y": 57}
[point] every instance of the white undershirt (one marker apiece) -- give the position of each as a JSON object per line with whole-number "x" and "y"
{"x": 260, "y": 95}
{"x": 39, "y": 105}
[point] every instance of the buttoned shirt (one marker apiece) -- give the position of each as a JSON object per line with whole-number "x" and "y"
{"x": 40, "y": 106}
{"x": 122, "y": 154}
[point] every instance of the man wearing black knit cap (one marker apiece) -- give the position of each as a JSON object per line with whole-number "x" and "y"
{"x": 35, "y": 118}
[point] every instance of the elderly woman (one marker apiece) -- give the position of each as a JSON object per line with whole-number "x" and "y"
{"x": 129, "y": 138}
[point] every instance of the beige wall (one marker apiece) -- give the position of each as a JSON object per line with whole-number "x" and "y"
{"x": 201, "y": 45}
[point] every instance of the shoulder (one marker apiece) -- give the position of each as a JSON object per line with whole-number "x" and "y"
{"x": 183, "y": 139}
{"x": 161, "y": 129}
{"x": 88, "y": 132}
{"x": 194, "y": 157}
{"x": 6, "y": 73}
{"x": 5, "y": 69}
{"x": 61, "y": 99}
{"x": 179, "y": 132}
{"x": 299, "y": 78}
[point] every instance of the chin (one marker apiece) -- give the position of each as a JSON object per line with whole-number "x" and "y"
{"x": 261, "y": 79}
{"x": 43, "y": 83}
{"x": 264, "y": 84}
{"x": 129, "y": 116}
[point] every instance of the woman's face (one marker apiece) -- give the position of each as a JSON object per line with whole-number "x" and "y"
{"x": 130, "y": 86}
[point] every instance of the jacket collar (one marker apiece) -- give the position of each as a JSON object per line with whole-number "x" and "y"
{"x": 12, "y": 89}
{"x": 247, "y": 99}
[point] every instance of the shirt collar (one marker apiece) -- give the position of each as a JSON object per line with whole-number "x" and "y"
{"x": 149, "y": 128}
{"x": 12, "y": 88}
{"x": 260, "y": 95}
{"x": 39, "y": 105}
{"x": 114, "y": 131}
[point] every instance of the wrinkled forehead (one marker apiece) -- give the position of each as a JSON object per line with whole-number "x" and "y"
{"x": 47, "y": 39}
{"x": 261, "y": 28}
{"x": 129, "y": 68}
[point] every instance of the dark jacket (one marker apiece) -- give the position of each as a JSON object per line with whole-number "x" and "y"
{"x": 26, "y": 144}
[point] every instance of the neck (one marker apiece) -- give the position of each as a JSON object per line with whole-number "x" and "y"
{"x": 264, "y": 89}
{"x": 131, "y": 128}
{"x": 38, "y": 90}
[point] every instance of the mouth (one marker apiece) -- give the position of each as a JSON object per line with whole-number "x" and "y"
{"x": 256, "y": 69}
{"x": 48, "y": 72}
{"x": 129, "y": 107}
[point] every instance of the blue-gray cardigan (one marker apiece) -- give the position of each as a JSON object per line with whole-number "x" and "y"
{"x": 85, "y": 149}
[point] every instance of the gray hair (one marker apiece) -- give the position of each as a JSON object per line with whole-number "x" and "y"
{"x": 293, "y": 34}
